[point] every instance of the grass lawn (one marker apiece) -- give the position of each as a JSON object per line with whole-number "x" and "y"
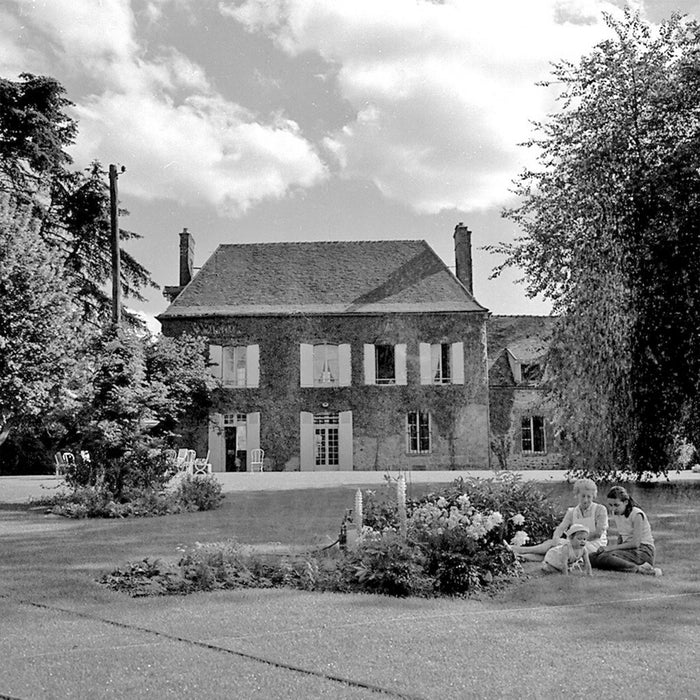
{"x": 546, "y": 636}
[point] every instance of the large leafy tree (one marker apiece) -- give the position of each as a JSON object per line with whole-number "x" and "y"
{"x": 73, "y": 206}
{"x": 38, "y": 321}
{"x": 611, "y": 222}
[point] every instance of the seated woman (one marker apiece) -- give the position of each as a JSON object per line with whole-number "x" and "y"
{"x": 634, "y": 551}
{"x": 587, "y": 512}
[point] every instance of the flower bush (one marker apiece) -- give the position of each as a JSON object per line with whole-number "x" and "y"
{"x": 451, "y": 542}
{"x": 191, "y": 493}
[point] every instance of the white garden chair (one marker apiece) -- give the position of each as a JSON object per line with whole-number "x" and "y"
{"x": 201, "y": 465}
{"x": 257, "y": 457}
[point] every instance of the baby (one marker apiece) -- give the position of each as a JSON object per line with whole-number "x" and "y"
{"x": 571, "y": 555}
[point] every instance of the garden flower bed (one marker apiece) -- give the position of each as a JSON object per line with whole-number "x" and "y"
{"x": 451, "y": 542}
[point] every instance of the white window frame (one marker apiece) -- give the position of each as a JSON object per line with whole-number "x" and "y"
{"x": 235, "y": 366}
{"x": 431, "y": 363}
{"x": 409, "y": 437}
{"x": 527, "y": 424}
{"x": 371, "y": 365}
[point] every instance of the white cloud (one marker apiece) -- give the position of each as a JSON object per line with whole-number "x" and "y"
{"x": 443, "y": 93}
{"x": 158, "y": 114}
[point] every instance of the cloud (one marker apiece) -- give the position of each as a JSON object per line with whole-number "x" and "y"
{"x": 443, "y": 93}
{"x": 154, "y": 109}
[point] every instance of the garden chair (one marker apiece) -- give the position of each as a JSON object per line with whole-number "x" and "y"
{"x": 201, "y": 465}
{"x": 69, "y": 459}
{"x": 188, "y": 464}
{"x": 181, "y": 458}
{"x": 59, "y": 464}
{"x": 170, "y": 457}
{"x": 256, "y": 459}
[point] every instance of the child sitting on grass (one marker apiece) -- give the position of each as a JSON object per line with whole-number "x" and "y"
{"x": 571, "y": 555}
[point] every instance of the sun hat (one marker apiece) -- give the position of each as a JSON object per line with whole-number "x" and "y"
{"x": 576, "y": 527}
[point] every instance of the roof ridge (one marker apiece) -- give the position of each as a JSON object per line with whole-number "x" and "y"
{"x": 379, "y": 240}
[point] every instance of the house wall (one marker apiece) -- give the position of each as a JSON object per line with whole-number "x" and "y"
{"x": 459, "y": 412}
{"x": 509, "y": 404}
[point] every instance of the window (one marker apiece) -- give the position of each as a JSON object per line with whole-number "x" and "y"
{"x": 385, "y": 366}
{"x": 418, "y": 432}
{"x": 440, "y": 356}
{"x": 327, "y": 453}
{"x": 441, "y": 363}
{"x": 235, "y": 365}
{"x": 531, "y": 372}
{"x": 233, "y": 419}
{"x": 326, "y": 367}
{"x": 533, "y": 439}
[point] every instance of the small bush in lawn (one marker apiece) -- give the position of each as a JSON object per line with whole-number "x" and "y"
{"x": 389, "y": 565}
{"x": 215, "y": 565}
{"x": 192, "y": 493}
{"x": 199, "y": 492}
{"x": 147, "y": 578}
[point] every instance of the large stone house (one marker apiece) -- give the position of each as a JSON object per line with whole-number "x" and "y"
{"x": 521, "y": 412}
{"x": 339, "y": 355}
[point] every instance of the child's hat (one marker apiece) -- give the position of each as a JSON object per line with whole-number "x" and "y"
{"x": 576, "y": 527}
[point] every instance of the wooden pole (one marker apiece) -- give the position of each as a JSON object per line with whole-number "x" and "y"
{"x": 116, "y": 255}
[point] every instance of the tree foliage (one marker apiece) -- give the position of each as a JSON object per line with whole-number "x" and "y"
{"x": 72, "y": 206}
{"x": 38, "y": 320}
{"x": 611, "y": 220}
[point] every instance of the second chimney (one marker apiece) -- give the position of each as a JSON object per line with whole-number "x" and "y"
{"x": 463, "y": 256}
{"x": 186, "y": 257}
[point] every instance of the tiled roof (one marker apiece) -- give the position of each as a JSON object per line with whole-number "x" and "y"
{"x": 526, "y": 337}
{"x": 320, "y": 278}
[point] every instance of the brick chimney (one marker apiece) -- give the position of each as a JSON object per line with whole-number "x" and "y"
{"x": 171, "y": 292}
{"x": 186, "y": 257}
{"x": 463, "y": 256}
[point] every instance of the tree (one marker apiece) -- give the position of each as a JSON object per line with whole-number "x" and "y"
{"x": 140, "y": 393}
{"x": 38, "y": 320}
{"x": 611, "y": 222}
{"x": 73, "y": 206}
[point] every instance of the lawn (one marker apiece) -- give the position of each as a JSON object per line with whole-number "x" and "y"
{"x": 542, "y": 637}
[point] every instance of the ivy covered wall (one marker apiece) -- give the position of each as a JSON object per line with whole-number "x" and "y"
{"x": 459, "y": 413}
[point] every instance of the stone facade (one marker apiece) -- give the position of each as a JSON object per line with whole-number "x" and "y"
{"x": 520, "y": 410}
{"x": 270, "y": 310}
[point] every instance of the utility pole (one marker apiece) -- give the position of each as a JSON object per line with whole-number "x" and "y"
{"x": 116, "y": 255}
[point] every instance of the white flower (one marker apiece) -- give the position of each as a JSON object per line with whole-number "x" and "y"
{"x": 493, "y": 520}
{"x": 441, "y": 502}
{"x": 518, "y": 520}
{"x": 519, "y": 538}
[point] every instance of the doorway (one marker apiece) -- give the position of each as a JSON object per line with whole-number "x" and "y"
{"x": 235, "y": 442}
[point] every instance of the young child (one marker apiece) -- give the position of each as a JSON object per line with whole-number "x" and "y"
{"x": 571, "y": 555}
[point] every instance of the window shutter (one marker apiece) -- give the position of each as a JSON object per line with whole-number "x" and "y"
{"x": 216, "y": 443}
{"x": 345, "y": 446}
{"x": 215, "y": 361}
{"x": 457, "y": 358}
{"x": 370, "y": 376}
{"x": 344, "y": 365}
{"x": 252, "y": 434}
{"x": 306, "y": 442}
{"x": 306, "y": 364}
{"x": 424, "y": 356}
{"x": 252, "y": 366}
{"x": 400, "y": 364}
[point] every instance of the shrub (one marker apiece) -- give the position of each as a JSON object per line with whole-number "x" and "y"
{"x": 388, "y": 565}
{"x": 199, "y": 492}
{"x": 192, "y": 493}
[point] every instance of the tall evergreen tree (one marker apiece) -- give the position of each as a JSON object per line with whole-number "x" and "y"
{"x": 611, "y": 222}
{"x": 73, "y": 206}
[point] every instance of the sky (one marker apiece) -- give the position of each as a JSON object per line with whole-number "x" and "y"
{"x": 301, "y": 120}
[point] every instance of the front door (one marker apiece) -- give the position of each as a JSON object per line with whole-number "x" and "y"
{"x": 234, "y": 437}
{"x": 327, "y": 454}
